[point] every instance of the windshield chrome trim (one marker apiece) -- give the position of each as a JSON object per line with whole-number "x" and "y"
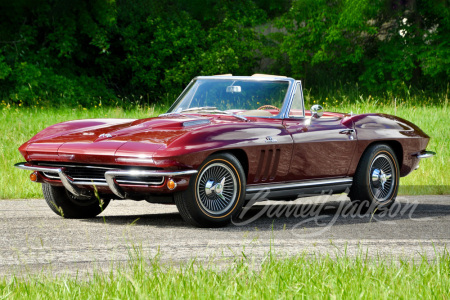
{"x": 291, "y": 100}
{"x": 248, "y": 78}
{"x": 286, "y": 102}
{"x": 179, "y": 97}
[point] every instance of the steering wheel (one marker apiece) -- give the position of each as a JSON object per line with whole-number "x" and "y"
{"x": 268, "y": 107}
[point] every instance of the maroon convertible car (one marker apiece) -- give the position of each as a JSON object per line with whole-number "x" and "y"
{"x": 225, "y": 140}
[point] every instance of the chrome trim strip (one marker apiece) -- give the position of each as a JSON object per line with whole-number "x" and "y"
{"x": 149, "y": 173}
{"x": 115, "y": 188}
{"x": 68, "y": 184}
{"x": 75, "y": 166}
{"x": 425, "y": 154}
{"x": 88, "y": 179}
{"x": 141, "y": 182}
{"x": 47, "y": 174}
{"x": 95, "y": 183}
{"x": 293, "y": 185}
{"x": 23, "y": 166}
{"x": 102, "y": 181}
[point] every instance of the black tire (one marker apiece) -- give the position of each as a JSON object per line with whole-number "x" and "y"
{"x": 215, "y": 194}
{"x": 376, "y": 180}
{"x": 68, "y": 206}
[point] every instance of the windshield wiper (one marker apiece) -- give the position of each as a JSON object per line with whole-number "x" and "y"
{"x": 207, "y": 109}
{"x": 201, "y": 108}
{"x": 214, "y": 110}
{"x": 231, "y": 114}
{"x": 198, "y": 108}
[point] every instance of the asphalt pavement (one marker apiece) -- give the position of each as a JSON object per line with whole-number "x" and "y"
{"x": 34, "y": 239}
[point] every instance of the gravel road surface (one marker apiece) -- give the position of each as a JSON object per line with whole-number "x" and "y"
{"x": 33, "y": 239}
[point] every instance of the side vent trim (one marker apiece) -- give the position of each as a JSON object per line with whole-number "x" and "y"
{"x": 267, "y": 165}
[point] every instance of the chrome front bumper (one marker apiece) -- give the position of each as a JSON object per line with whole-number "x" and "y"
{"x": 425, "y": 154}
{"x": 110, "y": 175}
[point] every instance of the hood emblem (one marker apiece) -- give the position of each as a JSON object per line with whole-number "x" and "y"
{"x": 270, "y": 139}
{"x": 105, "y": 135}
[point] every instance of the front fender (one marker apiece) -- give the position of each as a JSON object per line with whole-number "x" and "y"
{"x": 191, "y": 149}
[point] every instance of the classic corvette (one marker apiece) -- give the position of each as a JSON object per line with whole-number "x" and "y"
{"x": 224, "y": 141}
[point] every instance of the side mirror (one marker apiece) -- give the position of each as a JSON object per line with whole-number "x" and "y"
{"x": 316, "y": 111}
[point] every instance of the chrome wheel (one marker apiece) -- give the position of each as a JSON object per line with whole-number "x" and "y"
{"x": 217, "y": 188}
{"x": 216, "y": 194}
{"x": 382, "y": 177}
{"x": 376, "y": 179}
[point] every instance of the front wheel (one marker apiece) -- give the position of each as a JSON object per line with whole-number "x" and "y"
{"x": 376, "y": 179}
{"x": 68, "y": 206}
{"x": 215, "y": 194}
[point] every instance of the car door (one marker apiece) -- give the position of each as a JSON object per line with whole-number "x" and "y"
{"x": 323, "y": 147}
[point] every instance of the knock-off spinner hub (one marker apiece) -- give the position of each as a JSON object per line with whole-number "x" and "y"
{"x": 216, "y": 188}
{"x": 379, "y": 176}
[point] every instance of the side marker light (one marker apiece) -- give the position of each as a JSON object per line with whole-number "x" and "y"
{"x": 33, "y": 177}
{"x": 171, "y": 185}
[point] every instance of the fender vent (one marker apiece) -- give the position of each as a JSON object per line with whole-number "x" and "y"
{"x": 267, "y": 165}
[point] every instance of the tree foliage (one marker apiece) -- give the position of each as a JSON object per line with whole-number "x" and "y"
{"x": 383, "y": 45}
{"x": 73, "y": 51}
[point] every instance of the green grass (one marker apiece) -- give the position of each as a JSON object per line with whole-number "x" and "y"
{"x": 18, "y": 124}
{"x": 303, "y": 276}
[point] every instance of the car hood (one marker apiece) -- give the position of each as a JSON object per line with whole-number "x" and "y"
{"x": 100, "y": 140}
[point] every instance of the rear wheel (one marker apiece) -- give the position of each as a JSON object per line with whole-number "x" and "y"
{"x": 67, "y": 205}
{"x": 215, "y": 194}
{"x": 376, "y": 180}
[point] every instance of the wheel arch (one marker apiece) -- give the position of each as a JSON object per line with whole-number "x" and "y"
{"x": 241, "y": 156}
{"x": 396, "y": 147}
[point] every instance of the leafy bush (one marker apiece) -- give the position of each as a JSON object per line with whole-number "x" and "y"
{"x": 383, "y": 45}
{"x": 72, "y": 52}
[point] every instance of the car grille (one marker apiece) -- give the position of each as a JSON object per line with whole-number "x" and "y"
{"x": 85, "y": 173}
{"x": 97, "y": 174}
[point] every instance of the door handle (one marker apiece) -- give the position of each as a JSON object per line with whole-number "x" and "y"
{"x": 347, "y": 131}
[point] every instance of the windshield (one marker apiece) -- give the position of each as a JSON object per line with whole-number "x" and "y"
{"x": 231, "y": 94}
